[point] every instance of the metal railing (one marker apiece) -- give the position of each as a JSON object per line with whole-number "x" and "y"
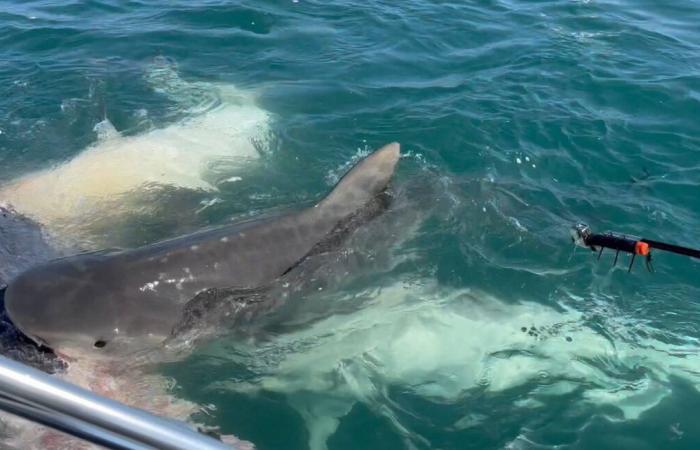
{"x": 44, "y": 399}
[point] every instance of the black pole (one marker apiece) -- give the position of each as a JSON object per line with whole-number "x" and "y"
{"x": 673, "y": 248}
{"x": 582, "y": 235}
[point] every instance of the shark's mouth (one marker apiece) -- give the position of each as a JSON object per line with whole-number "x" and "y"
{"x": 20, "y": 347}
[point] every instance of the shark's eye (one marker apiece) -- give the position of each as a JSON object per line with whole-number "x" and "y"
{"x": 99, "y": 343}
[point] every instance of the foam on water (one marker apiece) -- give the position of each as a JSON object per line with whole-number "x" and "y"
{"x": 222, "y": 126}
{"x": 442, "y": 344}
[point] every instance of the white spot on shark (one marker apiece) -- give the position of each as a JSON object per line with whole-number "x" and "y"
{"x": 150, "y": 286}
{"x": 181, "y": 281}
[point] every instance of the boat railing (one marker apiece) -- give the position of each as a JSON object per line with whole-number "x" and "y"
{"x": 43, "y": 399}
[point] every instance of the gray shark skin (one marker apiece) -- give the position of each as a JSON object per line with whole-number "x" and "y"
{"x": 120, "y": 302}
{"x": 22, "y": 244}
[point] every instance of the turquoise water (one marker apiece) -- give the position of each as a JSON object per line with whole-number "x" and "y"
{"x": 516, "y": 120}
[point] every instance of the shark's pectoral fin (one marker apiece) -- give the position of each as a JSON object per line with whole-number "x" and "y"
{"x": 334, "y": 240}
{"x": 213, "y": 307}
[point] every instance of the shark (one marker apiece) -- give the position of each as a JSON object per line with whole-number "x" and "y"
{"x": 114, "y": 303}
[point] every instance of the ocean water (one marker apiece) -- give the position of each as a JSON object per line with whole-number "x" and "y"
{"x": 463, "y": 317}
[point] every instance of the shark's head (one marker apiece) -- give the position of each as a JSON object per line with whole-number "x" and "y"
{"x": 67, "y": 306}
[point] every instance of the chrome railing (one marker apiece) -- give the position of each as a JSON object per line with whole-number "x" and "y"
{"x": 44, "y": 399}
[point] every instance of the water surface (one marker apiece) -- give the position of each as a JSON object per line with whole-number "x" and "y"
{"x": 466, "y": 320}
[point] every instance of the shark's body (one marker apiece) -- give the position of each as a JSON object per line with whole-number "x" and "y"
{"x": 124, "y": 301}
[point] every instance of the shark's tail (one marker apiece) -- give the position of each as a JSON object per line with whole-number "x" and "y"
{"x": 362, "y": 183}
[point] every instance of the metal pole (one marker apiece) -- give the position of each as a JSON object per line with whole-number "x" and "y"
{"x": 39, "y": 397}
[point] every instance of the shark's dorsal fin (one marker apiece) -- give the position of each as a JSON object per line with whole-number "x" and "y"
{"x": 362, "y": 183}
